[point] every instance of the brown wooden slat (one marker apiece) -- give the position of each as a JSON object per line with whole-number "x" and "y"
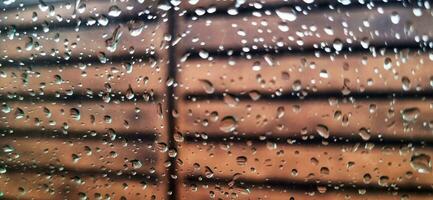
{"x": 146, "y": 76}
{"x": 140, "y": 117}
{"x": 303, "y": 117}
{"x": 306, "y": 31}
{"x": 122, "y": 157}
{"x": 84, "y": 43}
{"x": 226, "y": 4}
{"x": 282, "y": 74}
{"x": 322, "y": 164}
{"x": 92, "y": 9}
{"x": 40, "y": 186}
{"x": 224, "y": 192}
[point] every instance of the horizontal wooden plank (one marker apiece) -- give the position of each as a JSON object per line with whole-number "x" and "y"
{"x": 99, "y": 43}
{"x": 69, "y": 12}
{"x": 227, "y": 4}
{"x": 204, "y": 192}
{"x": 373, "y": 119}
{"x": 116, "y": 157}
{"x": 141, "y": 76}
{"x": 298, "y": 163}
{"x": 332, "y": 29}
{"x": 75, "y": 186}
{"x": 285, "y": 74}
{"x": 102, "y": 118}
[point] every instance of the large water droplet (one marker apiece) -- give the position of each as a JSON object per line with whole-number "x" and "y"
{"x": 75, "y": 114}
{"x": 410, "y": 114}
{"x": 322, "y": 130}
{"x": 228, "y": 124}
{"x": 421, "y": 163}
{"x": 114, "y": 11}
{"x": 286, "y": 14}
{"x": 207, "y": 86}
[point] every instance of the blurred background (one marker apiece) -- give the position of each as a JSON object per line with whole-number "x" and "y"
{"x": 216, "y": 99}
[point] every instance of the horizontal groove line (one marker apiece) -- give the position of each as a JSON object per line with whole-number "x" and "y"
{"x": 54, "y": 170}
{"x": 193, "y": 54}
{"x": 77, "y": 135}
{"x": 215, "y": 138}
{"x": 55, "y": 61}
{"x": 286, "y": 96}
{"x": 79, "y": 98}
{"x": 311, "y": 185}
{"x": 316, "y": 7}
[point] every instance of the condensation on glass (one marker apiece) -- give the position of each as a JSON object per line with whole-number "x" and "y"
{"x": 216, "y": 99}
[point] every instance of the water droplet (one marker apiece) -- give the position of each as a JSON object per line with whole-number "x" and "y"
{"x": 322, "y": 130}
{"x": 364, "y": 133}
{"x": 421, "y": 163}
{"x": 102, "y": 57}
{"x": 129, "y": 93}
{"x": 410, "y": 114}
{"x": 19, "y": 113}
{"x": 387, "y": 64}
{"x": 383, "y": 181}
{"x": 136, "y": 164}
{"x": 207, "y": 86}
{"x": 6, "y": 108}
{"x": 112, "y": 42}
{"x": 228, "y": 124}
{"x": 114, "y": 11}
{"x": 280, "y": 112}
{"x": 8, "y": 148}
{"x": 231, "y": 100}
{"x": 2, "y": 170}
{"x": 286, "y": 14}
{"x": 324, "y": 74}
{"x": 254, "y": 95}
{"x": 337, "y": 44}
{"x": 256, "y": 66}
{"x": 241, "y": 160}
{"x": 208, "y": 172}
{"x": 75, "y": 114}
{"x": 395, "y": 17}
{"x": 405, "y": 83}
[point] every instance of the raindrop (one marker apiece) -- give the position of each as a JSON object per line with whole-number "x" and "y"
{"x": 322, "y": 130}
{"x": 208, "y": 172}
{"x": 421, "y": 163}
{"x": 114, "y": 11}
{"x": 129, "y": 93}
{"x": 364, "y": 133}
{"x": 405, "y": 83}
{"x": 228, "y": 124}
{"x": 207, "y": 86}
{"x": 136, "y": 164}
{"x": 75, "y": 114}
{"x": 286, "y": 14}
{"x": 19, "y": 113}
{"x": 395, "y": 17}
{"x": 254, "y": 95}
{"x": 410, "y": 114}
{"x": 241, "y": 160}
{"x": 337, "y": 44}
